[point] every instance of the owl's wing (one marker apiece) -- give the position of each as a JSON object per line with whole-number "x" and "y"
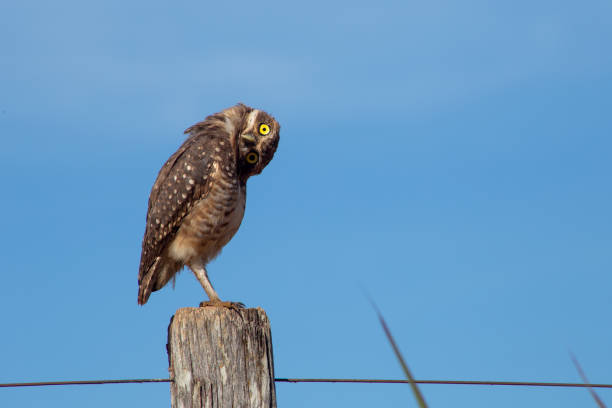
{"x": 181, "y": 182}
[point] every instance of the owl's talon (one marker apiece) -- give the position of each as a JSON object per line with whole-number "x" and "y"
{"x": 219, "y": 303}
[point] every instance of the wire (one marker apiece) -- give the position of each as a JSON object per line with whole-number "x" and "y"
{"x": 86, "y": 382}
{"x": 449, "y": 382}
{"x": 324, "y": 380}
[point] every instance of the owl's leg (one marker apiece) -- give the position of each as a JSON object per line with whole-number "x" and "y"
{"x": 199, "y": 270}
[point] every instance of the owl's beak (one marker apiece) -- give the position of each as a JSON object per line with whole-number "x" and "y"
{"x": 248, "y": 137}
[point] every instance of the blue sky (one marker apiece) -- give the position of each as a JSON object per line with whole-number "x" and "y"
{"x": 453, "y": 158}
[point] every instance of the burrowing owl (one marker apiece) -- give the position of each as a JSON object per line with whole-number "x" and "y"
{"x": 197, "y": 202}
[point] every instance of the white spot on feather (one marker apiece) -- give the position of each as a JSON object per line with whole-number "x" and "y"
{"x": 229, "y": 126}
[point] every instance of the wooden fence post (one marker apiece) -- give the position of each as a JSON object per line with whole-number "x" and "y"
{"x": 220, "y": 358}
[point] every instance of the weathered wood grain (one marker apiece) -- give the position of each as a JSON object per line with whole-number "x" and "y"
{"x": 220, "y": 358}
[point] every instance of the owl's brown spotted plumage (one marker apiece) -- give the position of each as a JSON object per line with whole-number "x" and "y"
{"x": 197, "y": 202}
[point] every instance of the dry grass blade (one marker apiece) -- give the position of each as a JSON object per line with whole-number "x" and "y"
{"x": 415, "y": 389}
{"x": 586, "y": 381}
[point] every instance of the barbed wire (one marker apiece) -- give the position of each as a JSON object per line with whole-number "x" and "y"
{"x": 322, "y": 380}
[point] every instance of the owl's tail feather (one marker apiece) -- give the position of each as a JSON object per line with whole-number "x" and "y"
{"x": 156, "y": 278}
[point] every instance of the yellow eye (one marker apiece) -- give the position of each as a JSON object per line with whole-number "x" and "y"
{"x": 264, "y": 129}
{"x": 252, "y": 158}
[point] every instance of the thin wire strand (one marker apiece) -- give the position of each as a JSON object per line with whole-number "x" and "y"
{"x": 85, "y": 382}
{"x": 447, "y": 382}
{"x": 323, "y": 380}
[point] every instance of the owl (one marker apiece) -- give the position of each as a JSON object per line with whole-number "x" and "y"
{"x": 197, "y": 202}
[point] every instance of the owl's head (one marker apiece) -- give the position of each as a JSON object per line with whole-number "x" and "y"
{"x": 257, "y": 140}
